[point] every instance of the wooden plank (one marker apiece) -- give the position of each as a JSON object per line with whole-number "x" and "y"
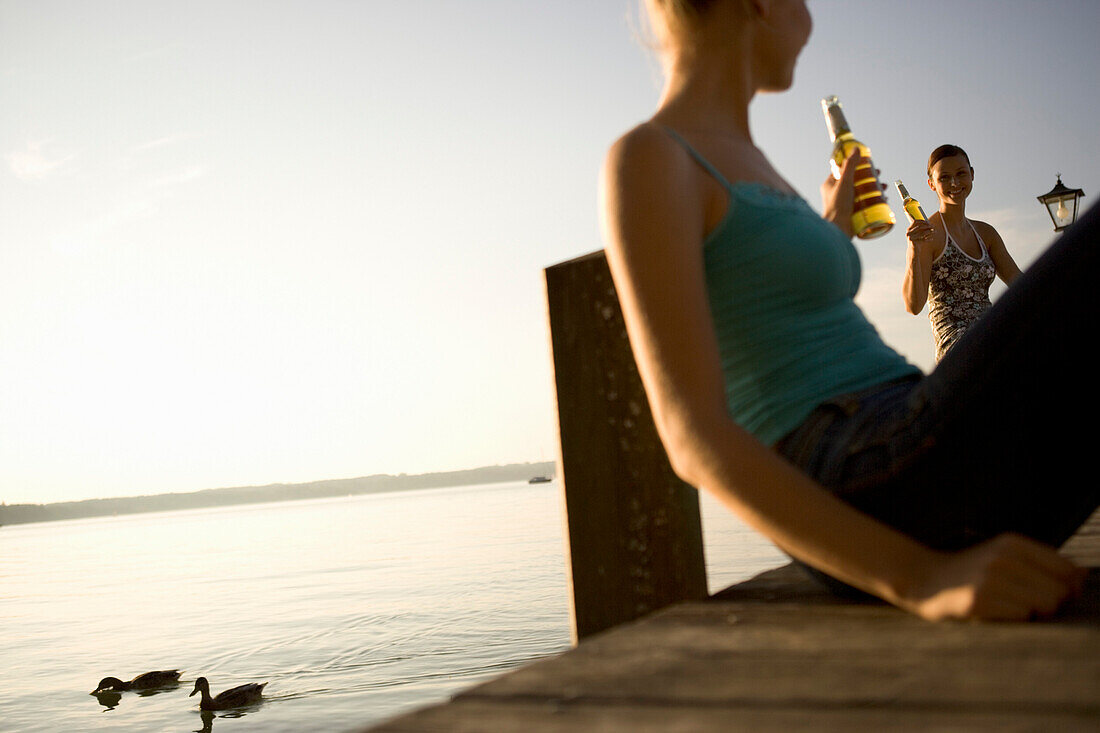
{"x": 776, "y": 654}
{"x": 734, "y": 655}
{"x": 1084, "y": 546}
{"x": 758, "y": 665}
{"x": 634, "y": 535}
{"x": 530, "y": 716}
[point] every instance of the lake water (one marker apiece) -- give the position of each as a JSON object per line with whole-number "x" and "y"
{"x": 351, "y": 609}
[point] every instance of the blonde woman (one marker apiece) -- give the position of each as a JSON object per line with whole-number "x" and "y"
{"x": 772, "y": 391}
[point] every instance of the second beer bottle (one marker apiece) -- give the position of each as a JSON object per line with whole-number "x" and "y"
{"x": 871, "y": 217}
{"x": 912, "y": 207}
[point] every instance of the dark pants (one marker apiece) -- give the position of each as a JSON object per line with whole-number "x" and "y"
{"x": 1000, "y": 437}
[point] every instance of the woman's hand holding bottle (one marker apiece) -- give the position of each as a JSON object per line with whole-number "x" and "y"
{"x": 838, "y": 194}
{"x": 921, "y": 235}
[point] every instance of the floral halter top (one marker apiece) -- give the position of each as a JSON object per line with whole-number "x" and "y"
{"x": 958, "y": 292}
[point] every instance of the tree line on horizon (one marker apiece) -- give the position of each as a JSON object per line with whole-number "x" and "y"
{"x": 27, "y": 513}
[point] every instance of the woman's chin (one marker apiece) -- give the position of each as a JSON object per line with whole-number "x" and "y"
{"x": 775, "y": 88}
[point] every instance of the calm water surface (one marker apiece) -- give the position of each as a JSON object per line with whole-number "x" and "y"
{"x": 351, "y": 609}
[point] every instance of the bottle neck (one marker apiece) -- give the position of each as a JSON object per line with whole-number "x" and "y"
{"x": 834, "y": 120}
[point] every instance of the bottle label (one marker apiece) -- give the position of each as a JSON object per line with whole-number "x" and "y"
{"x": 868, "y": 191}
{"x": 914, "y": 211}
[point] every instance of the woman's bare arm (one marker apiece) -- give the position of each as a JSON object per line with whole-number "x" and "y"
{"x": 925, "y": 244}
{"x": 1007, "y": 269}
{"x": 654, "y": 226}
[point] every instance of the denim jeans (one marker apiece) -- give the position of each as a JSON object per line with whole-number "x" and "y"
{"x": 999, "y": 437}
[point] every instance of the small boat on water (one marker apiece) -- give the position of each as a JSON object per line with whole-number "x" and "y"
{"x": 538, "y": 480}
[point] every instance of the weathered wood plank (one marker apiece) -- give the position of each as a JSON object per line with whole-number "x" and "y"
{"x": 1084, "y": 546}
{"x": 742, "y": 654}
{"x": 531, "y": 716}
{"x": 634, "y": 534}
{"x": 758, "y": 665}
{"x": 778, "y": 655}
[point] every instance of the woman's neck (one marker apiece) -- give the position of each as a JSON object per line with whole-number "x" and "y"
{"x": 952, "y": 213}
{"x": 708, "y": 92}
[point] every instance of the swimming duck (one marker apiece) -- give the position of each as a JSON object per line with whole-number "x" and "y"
{"x": 234, "y": 697}
{"x": 146, "y": 681}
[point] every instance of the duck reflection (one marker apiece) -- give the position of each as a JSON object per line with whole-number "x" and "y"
{"x": 108, "y": 700}
{"x": 207, "y": 717}
{"x": 207, "y": 722}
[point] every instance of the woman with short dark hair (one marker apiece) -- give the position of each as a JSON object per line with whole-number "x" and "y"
{"x": 952, "y": 260}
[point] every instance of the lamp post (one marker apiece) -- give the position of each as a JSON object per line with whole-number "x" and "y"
{"x": 1061, "y": 204}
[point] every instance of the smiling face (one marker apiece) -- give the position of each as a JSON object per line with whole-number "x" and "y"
{"x": 952, "y": 178}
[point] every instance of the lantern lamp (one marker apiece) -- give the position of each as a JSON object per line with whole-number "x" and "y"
{"x": 1061, "y": 204}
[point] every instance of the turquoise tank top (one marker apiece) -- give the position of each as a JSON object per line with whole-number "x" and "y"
{"x": 781, "y": 282}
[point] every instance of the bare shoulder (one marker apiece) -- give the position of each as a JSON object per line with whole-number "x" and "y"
{"x": 643, "y": 136}
{"x": 647, "y": 147}
{"x": 651, "y": 193}
{"x": 986, "y": 232}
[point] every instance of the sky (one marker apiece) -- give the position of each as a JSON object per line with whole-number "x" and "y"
{"x": 248, "y": 242}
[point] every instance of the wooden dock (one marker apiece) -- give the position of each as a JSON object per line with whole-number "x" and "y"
{"x": 777, "y": 654}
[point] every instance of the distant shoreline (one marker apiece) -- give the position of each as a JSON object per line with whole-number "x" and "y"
{"x": 34, "y": 513}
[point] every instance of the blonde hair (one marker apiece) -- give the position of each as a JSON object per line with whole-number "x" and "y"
{"x": 674, "y": 18}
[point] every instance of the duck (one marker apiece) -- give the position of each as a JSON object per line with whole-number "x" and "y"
{"x": 146, "y": 681}
{"x": 234, "y": 697}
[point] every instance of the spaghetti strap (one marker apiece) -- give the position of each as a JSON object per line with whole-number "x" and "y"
{"x": 981, "y": 242}
{"x": 949, "y": 240}
{"x": 698, "y": 158}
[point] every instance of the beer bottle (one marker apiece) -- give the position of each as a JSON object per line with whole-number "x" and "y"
{"x": 912, "y": 207}
{"x": 871, "y": 217}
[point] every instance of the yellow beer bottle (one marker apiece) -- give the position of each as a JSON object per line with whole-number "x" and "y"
{"x": 912, "y": 207}
{"x": 871, "y": 217}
